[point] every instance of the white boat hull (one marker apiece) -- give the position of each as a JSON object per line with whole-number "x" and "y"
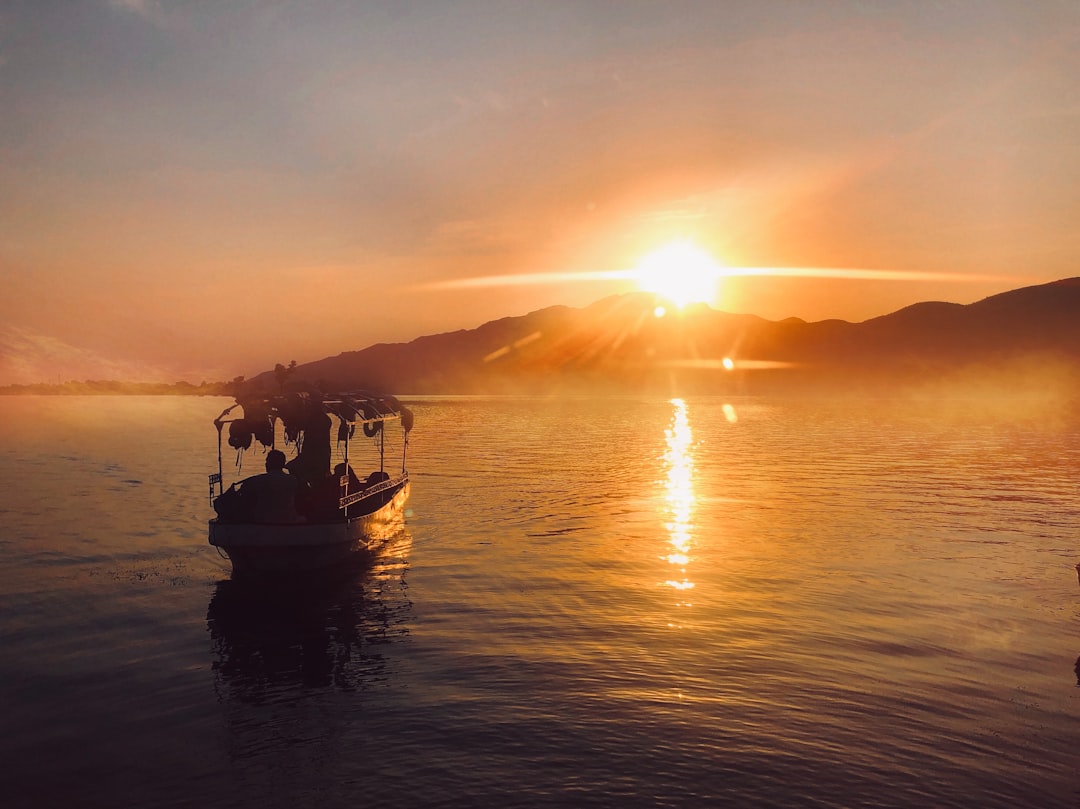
{"x": 289, "y": 548}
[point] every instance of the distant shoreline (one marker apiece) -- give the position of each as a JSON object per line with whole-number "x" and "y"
{"x": 113, "y": 388}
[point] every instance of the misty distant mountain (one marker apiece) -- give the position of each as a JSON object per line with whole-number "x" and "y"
{"x": 619, "y": 344}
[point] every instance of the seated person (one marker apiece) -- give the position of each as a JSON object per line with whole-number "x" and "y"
{"x": 376, "y": 477}
{"x": 324, "y": 503}
{"x": 354, "y": 482}
{"x": 271, "y": 497}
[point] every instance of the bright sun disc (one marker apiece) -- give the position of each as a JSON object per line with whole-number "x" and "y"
{"x": 680, "y": 272}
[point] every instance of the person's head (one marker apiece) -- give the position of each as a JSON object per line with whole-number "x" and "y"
{"x": 275, "y": 459}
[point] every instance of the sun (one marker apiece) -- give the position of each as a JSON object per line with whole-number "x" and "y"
{"x": 680, "y": 272}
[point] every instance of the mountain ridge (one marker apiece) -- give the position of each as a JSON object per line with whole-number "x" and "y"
{"x": 618, "y": 344}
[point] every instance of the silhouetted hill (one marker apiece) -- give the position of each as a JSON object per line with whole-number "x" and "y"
{"x": 618, "y": 344}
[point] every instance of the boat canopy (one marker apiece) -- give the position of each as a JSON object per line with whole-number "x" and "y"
{"x": 297, "y": 409}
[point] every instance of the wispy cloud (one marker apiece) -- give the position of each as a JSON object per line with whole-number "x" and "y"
{"x": 149, "y": 10}
{"x": 528, "y": 279}
{"x": 843, "y": 273}
{"x": 475, "y": 237}
{"x": 690, "y": 209}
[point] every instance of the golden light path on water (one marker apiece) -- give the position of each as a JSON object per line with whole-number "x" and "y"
{"x": 679, "y": 494}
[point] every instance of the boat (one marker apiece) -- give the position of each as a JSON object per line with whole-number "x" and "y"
{"x": 336, "y": 515}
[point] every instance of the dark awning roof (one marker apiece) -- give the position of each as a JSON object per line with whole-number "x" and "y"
{"x": 362, "y": 407}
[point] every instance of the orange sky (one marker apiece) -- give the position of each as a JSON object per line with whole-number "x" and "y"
{"x": 193, "y": 190}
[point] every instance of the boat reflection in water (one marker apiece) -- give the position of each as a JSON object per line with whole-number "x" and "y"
{"x": 679, "y": 494}
{"x": 273, "y": 639}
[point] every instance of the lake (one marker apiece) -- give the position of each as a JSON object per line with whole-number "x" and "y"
{"x": 613, "y": 602}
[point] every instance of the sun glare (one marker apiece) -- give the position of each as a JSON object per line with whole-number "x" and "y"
{"x": 679, "y": 272}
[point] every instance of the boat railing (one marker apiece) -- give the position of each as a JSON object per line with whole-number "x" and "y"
{"x": 215, "y": 480}
{"x": 382, "y": 486}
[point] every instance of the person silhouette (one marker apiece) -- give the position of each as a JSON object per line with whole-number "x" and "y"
{"x": 313, "y": 462}
{"x": 272, "y": 496}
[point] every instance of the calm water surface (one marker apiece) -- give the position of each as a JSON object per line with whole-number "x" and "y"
{"x": 621, "y": 602}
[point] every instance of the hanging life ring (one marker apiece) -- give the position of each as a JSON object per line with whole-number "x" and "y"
{"x": 372, "y": 430}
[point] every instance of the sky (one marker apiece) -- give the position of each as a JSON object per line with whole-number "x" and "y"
{"x": 198, "y": 190}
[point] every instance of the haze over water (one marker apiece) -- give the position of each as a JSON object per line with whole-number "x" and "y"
{"x": 594, "y": 602}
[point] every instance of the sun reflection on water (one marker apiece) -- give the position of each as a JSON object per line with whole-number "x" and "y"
{"x": 679, "y": 493}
